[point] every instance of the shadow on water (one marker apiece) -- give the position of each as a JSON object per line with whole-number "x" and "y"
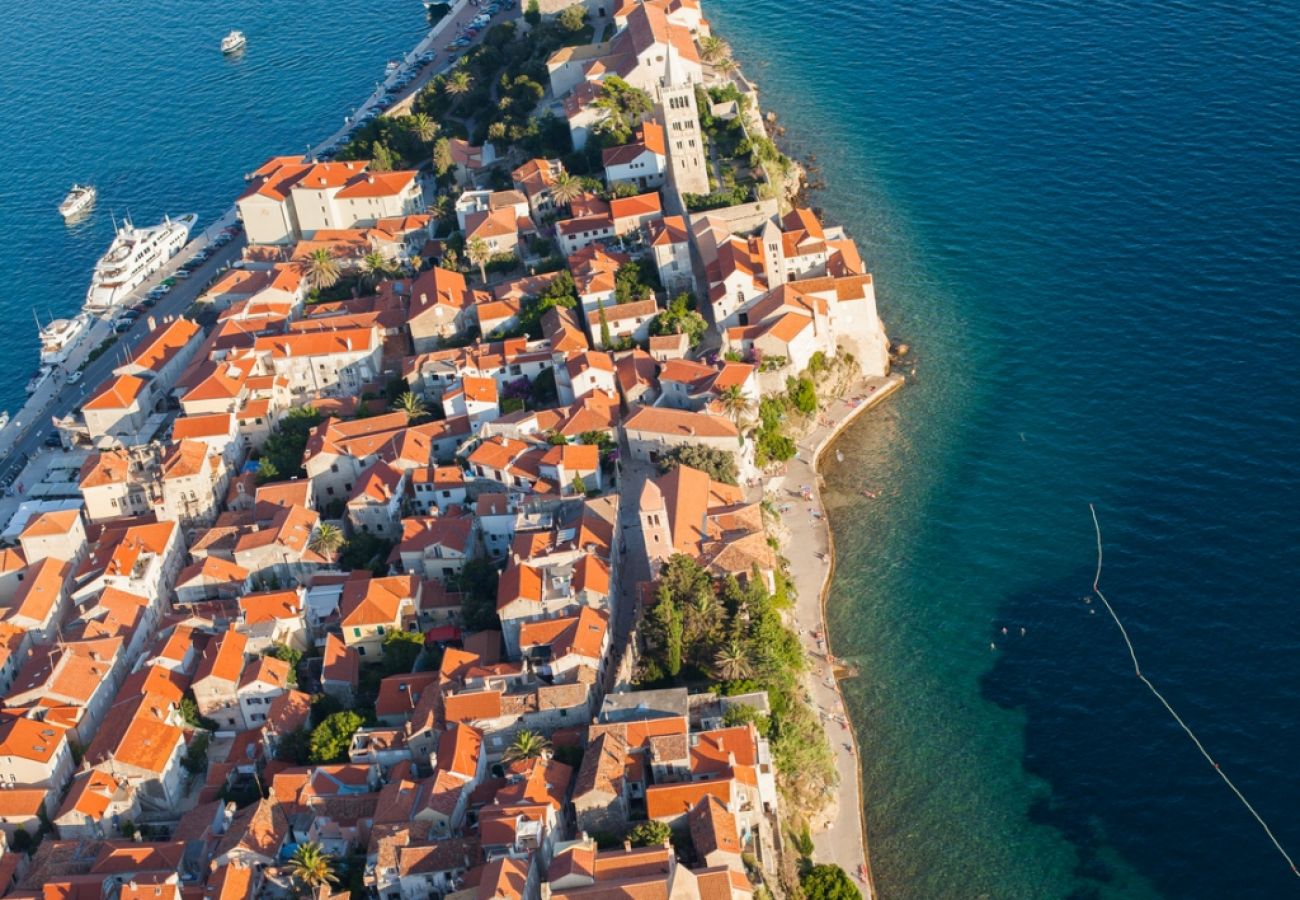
{"x": 1091, "y": 728}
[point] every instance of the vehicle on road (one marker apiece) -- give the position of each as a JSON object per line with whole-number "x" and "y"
{"x": 123, "y": 327}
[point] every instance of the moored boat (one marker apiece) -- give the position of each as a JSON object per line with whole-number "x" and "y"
{"x": 233, "y": 42}
{"x": 134, "y": 255}
{"x": 79, "y": 199}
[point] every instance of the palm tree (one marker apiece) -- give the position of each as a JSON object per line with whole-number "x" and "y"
{"x": 732, "y": 661}
{"x": 735, "y": 402}
{"x": 412, "y": 405}
{"x": 327, "y": 540}
{"x": 424, "y": 127}
{"x": 376, "y": 267}
{"x": 565, "y": 189}
{"x": 322, "y": 269}
{"x": 713, "y": 49}
{"x": 527, "y": 745}
{"x": 312, "y": 866}
{"x": 478, "y": 253}
{"x": 725, "y": 66}
{"x": 459, "y": 83}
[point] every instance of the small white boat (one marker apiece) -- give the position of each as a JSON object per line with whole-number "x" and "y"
{"x": 233, "y": 42}
{"x": 79, "y": 199}
{"x": 392, "y": 67}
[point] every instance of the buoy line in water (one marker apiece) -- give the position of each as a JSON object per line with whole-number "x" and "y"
{"x": 1137, "y": 669}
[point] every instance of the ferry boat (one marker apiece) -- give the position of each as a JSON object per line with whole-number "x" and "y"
{"x": 134, "y": 255}
{"x": 79, "y": 199}
{"x": 233, "y": 42}
{"x": 62, "y": 336}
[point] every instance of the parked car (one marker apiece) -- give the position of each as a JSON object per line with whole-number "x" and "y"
{"x": 123, "y": 327}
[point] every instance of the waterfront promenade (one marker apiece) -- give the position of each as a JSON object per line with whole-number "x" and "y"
{"x": 840, "y": 837}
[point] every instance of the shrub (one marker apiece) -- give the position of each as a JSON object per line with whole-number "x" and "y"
{"x": 719, "y": 464}
{"x": 829, "y": 882}
{"x": 331, "y": 739}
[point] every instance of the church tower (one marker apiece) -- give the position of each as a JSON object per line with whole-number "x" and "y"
{"x": 687, "y": 168}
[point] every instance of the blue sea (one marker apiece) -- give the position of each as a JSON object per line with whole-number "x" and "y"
{"x": 1083, "y": 218}
{"x": 136, "y": 98}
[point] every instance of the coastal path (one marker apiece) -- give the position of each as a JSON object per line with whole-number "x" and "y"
{"x": 842, "y": 838}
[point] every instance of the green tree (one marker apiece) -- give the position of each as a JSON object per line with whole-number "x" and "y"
{"x": 366, "y": 551}
{"x": 266, "y": 470}
{"x": 650, "y": 834}
{"x": 294, "y": 747}
{"x": 477, "y": 581}
{"x": 803, "y": 394}
{"x": 423, "y": 127}
{"x": 284, "y": 448}
{"x": 312, "y": 867}
{"x": 742, "y": 714}
{"x": 195, "y": 759}
{"x": 565, "y": 189}
{"x": 527, "y": 745}
{"x": 375, "y": 267}
{"x": 291, "y": 655}
{"x": 381, "y": 158}
{"x": 680, "y": 318}
{"x": 460, "y": 83}
{"x": 606, "y": 340}
{"x": 735, "y": 403}
{"x": 442, "y": 158}
{"x": 713, "y": 48}
{"x": 667, "y": 622}
{"x": 572, "y": 18}
{"x": 193, "y": 718}
{"x": 322, "y": 269}
{"x": 401, "y": 650}
{"x": 411, "y": 404}
{"x": 828, "y": 881}
{"x": 326, "y": 540}
{"x": 533, "y": 13}
{"x": 719, "y": 464}
{"x": 331, "y": 739}
{"x": 732, "y": 661}
{"x": 579, "y": 486}
{"x": 479, "y": 254}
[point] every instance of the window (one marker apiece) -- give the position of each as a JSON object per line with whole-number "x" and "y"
{"x": 380, "y": 629}
{"x": 361, "y": 651}
{"x": 356, "y": 632}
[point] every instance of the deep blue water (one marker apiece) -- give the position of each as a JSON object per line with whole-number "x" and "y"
{"x": 1084, "y": 219}
{"x": 136, "y": 98}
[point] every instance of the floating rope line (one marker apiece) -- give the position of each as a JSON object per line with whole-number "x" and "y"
{"x": 1096, "y": 589}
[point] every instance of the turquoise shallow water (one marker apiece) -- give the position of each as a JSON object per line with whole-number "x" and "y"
{"x": 1083, "y": 219}
{"x": 137, "y": 98}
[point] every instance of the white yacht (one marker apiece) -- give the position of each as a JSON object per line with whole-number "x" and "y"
{"x": 62, "y": 336}
{"x": 134, "y": 255}
{"x": 79, "y": 199}
{"x": 233, "y": 42}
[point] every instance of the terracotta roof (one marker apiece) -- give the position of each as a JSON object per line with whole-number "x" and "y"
{"x": 459, "y": 750}
{"x": 680, "y": 423}
{"x": 120, "y": 393}
{"x": 341, "y": 662}
{"x": 641, "y": 205}
{"x": 29, "y": 739}
{"x": 224, "y": 658}
{"x": 583, "y": 634}
{"x": 668, "y": 801}
{"x": 51, "y": 524}
{"x": 472, "y": 706}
